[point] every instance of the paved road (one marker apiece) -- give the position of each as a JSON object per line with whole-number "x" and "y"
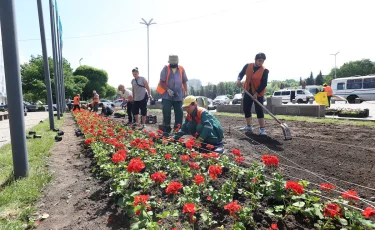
{"x": 31, "y": 119}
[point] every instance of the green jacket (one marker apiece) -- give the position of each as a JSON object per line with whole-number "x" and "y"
{"x": 206, "y": 126}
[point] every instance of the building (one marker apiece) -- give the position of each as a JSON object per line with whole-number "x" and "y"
{"x": 3, "y": 93}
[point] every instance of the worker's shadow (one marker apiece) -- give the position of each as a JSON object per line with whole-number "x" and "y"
{"x": 271, "y": 143}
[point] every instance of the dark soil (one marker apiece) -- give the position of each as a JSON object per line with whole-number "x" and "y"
{"x": 341, "y": 155}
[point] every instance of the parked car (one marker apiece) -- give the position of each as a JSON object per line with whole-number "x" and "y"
{"x": 29, "y": 107}
{"x": 105, "y": 102}
{"x": 287, "y": 95}
{"x": 237, "y": 99}
{"x": 118, "y": 102}
{"x": 221, "y": 100}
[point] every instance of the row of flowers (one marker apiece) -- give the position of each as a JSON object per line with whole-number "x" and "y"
{"x": 174, "y": 184}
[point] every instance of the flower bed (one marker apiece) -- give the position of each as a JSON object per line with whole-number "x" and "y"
{"x": 164, "y": 184}
{"x": 341, "y": 112}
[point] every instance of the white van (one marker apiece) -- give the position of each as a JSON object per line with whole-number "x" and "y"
{"x": 287, "y": 95}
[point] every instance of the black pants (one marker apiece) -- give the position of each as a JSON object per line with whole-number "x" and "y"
{"x": 329, "y": 101}
{"x": 96, "y": 106}
{"x": 129, "y": 110}
{"x": 140, "y": 105}
{"x": 76, "y": 107}
{"x": 248, "y": 103}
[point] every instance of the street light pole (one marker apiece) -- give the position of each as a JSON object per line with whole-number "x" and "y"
{"x": 335, "y": 61}
{"x": 80, "y": 61}
{"x": 148, "y": 45}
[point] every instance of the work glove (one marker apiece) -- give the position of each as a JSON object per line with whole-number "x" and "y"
{"x": 170, "y": 92}
{"x": 200, "y": 140}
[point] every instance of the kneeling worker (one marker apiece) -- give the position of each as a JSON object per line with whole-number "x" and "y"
{"x": 106, "y": 110}
{"x": 199, "y": 121}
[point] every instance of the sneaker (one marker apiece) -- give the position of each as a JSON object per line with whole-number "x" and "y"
{"x": 129, "y": 123}
{"x": 262, "y": 131}
{"x": 219, "y": 148}
{"x": 142, "y": 126}
{"x": 247, "y": 128}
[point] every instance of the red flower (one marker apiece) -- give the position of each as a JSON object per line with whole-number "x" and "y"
{"x": 210, "y": 147}
{"x": 194, "y": 165}
{"x": 368, "y": 212}
{"x": 116, "y": 158}
{"x": 88, "y": 141}
{"x": 270, "y": 160}
{"x": 168, "y": 156}
{"x": 198, "y": 179}
{"x": 189, "y": 144}
{"x": 152, "y": 150}
{"x": 239, "y": 159}
{"x": 293, "y": 185}
{"x": 209, "y": 198}
{"x": 236, "y": 152}
{"x": 214, "y": 170}
{"x": 140, "y": 200}
{"x": 184, "y": 157}
{"x": 254, "y": 180}
{"x": 233, "y": 207}
{"x": 136, "y": 165}
{"x": 181, "y": 140}
{"x": 189, "y": 208}
{"x": 152, "y": 134}
{"x": 214, "y": 155}
{"x": 160, "y": 131}
{"x": 138, "y": 212}
{"x": 332, "y": 210}
{"x": 158, "y": 177}
{"x": 173, "y": 187}
{"x": 351, "y": 194}
{"x": 194, "y": 154}
{"x": 273, "y": 226}
{"x": 327, "y": 187}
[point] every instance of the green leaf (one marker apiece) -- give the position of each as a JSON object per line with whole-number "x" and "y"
{"x": 279, "y": 208}
{"x": 299, "y": 204}
{"x": 318, "y": 213}
{"x": 269, "y": 212}
{"x": 175, "y": 213}
{"x": 343, "y": 221}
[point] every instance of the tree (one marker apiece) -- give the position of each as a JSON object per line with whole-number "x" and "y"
{"x": 319, "y": 79}
{"x": 310, "y": 80}
{"x": 110, "y": 91}
{"x": 202, "y": 92}
{"x": 214, "y": 91}
{"x": 192, "y": 91}
{"x": 220, "y": 89}
{"x": 98, "y": 79}
{"x": 300, "y": 80}
{"x": 33, "y": 79}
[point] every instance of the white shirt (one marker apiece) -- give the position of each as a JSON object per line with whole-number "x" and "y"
{"x": 125, "y": 94}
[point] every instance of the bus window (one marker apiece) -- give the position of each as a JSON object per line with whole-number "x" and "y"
{"x": 354, "y": 84}
{"x": 278, "y": 93}
{"x": 369, "y": 83}
{"x": 341, "y": 86}
{"x": 285, "y": 93}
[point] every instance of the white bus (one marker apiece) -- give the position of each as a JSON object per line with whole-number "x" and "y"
{"x": 362, "y": 87}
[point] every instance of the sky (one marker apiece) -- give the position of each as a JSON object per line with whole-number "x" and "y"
{"x": 214, "y": 39}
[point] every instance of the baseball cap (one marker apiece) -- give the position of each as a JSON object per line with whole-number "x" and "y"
{"x": 188, "y": 100}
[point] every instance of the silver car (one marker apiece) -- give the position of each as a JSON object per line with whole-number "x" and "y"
{"x": 221, "y": 100}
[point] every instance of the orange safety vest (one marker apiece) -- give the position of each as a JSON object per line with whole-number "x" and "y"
{"x": 328, "y": 90}
{"x": 96, "y": 99}
{"x": 254, "y": 79}
{"x": 198, "y": 119}
{"x": 76, "y": 100}
{"x": 160, "y": 89}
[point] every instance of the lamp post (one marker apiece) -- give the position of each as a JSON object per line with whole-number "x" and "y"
{"x": 148, "y": 50}
{"x": 80, "y": 61}
{"x": 335, "y": 61}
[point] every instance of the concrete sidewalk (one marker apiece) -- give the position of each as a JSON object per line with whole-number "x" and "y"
{"x": 32, "y": 119}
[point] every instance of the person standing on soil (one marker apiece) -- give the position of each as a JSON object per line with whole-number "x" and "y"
{"x": 95, "y": 100}
{"x": 141, "y": 93}
{"x": 329, "y": 92}
{"x": 127, "y": 96}
{"x": 76, "y": 102}
{"x": 172, "y": 88}
{"x": 202, "y": 124}
{"x": 255, "y": 83}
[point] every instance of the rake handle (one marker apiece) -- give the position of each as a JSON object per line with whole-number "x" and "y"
{"x": 273, "y": 116}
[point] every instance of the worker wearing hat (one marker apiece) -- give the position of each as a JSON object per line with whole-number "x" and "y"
{"x": 201, "y": 124}
{"x": 76, "y": 102}
{"x": 172, "y": 88}
{"x": 329, "y": 92}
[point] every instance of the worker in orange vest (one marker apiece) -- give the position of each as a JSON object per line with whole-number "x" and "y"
{"x": 172, "y": 88}
{"x": 329, "y": 92}
{"x": 76, "y": 102}
{"x": 255, "y": 83}
{"x": 95, "y": 99}
{"x": 202, "y": 125}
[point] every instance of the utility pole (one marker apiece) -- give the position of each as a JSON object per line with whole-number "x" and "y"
{"x": 46, "y": 65}
{"x": 14, "y": 89}
{"x": 335, "y": 62}
{"x": 148, "y": 24}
